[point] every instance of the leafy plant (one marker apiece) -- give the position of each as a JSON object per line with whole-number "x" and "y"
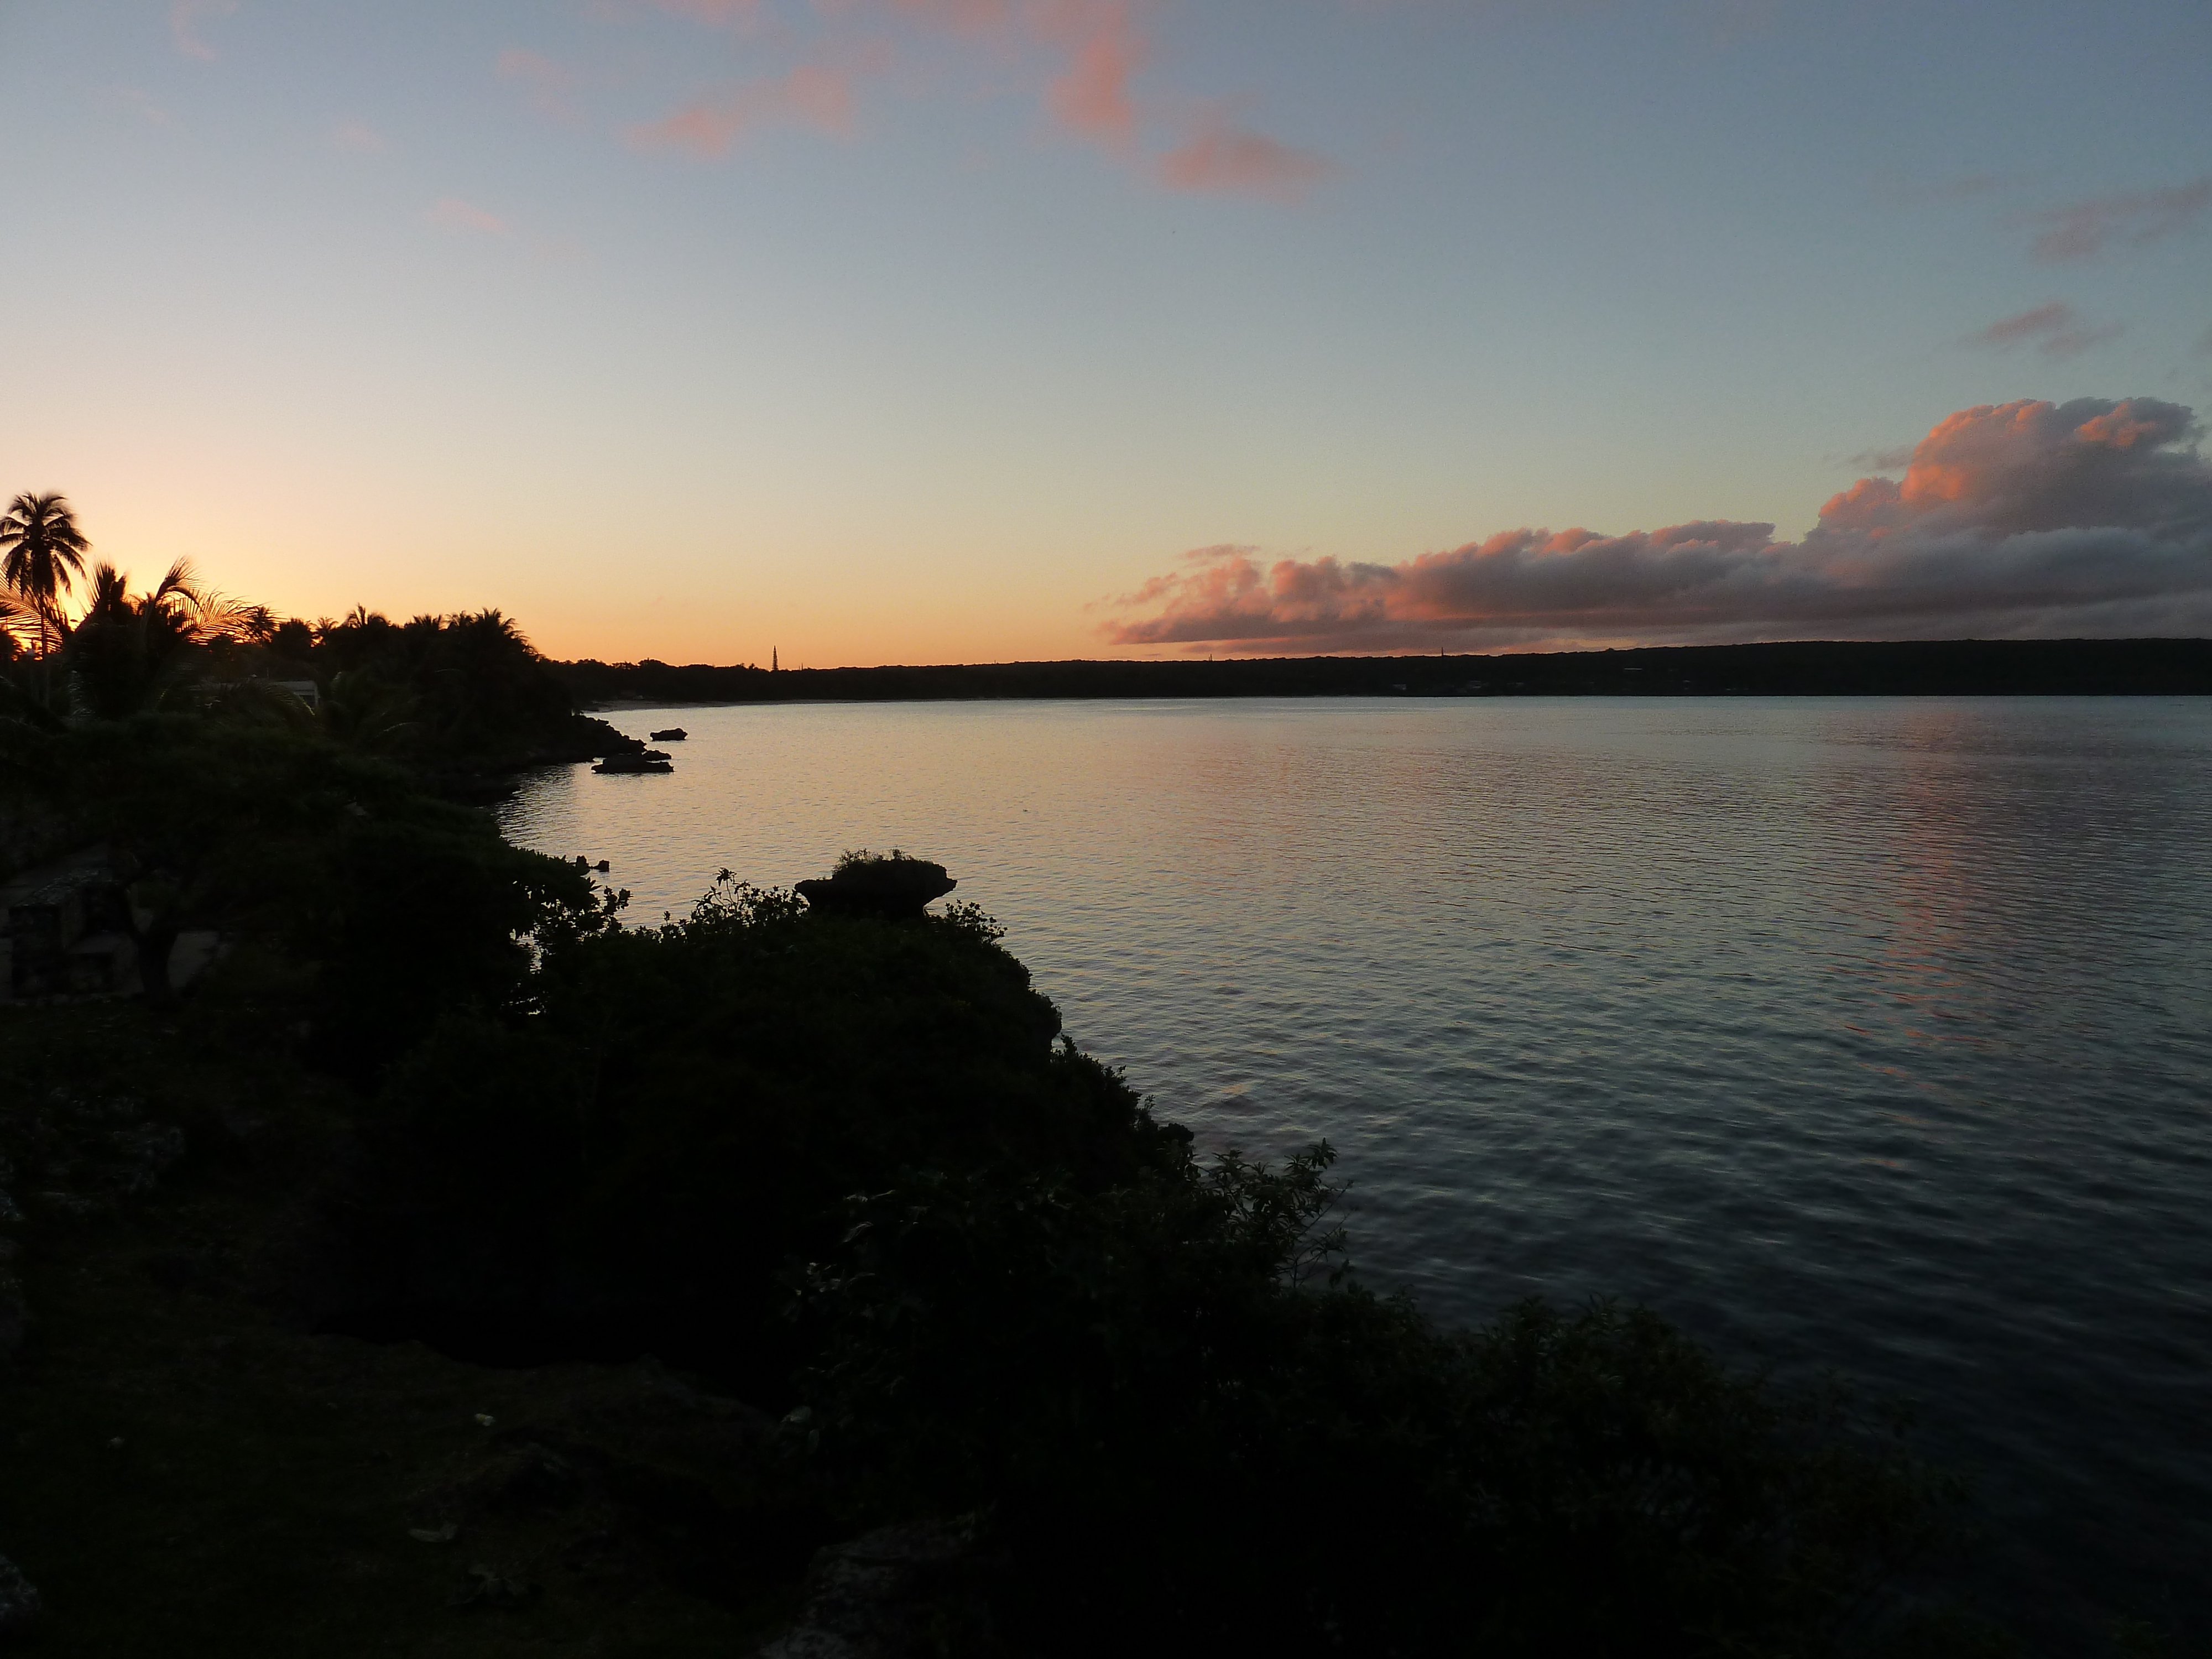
{"x": 860, "y": 858}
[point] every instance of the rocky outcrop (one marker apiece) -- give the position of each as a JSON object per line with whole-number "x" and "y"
{"x": 892, "y": 889}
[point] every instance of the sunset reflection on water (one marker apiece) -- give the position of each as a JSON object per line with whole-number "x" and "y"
{"x": 1864, "y": 1033}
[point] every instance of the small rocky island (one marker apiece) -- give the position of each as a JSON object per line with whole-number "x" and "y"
{"x": 891, "y": 886}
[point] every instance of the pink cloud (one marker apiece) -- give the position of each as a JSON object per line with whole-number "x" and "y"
{"x": 185, "y": 19}
{"x": 717, "y": 14}
{"x": 1091, "y": 96}
{"x": 962, "y": 16}
{"x": 2027, "y": 325}
{"x": 551, "y": 86}
{"x": 2082, "y": 228}
{"x": 1092, "y": 51}
{"x": 811, "y": 96}
{"x": 1098, "y": 42}
{"x": 358, "y": 138}
{"x": 142, "y": 104}
{"x": 1224, "y": 160}
{"x": 2091, "y": 517}
{"x": 454, "y": 214}
{"x": 2055, "y": 327}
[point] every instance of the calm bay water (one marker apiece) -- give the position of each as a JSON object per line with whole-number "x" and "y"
{"x": 1873, "y": 1034}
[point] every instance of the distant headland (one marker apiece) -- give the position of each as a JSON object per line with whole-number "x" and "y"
{"x": 1803, "y": 668}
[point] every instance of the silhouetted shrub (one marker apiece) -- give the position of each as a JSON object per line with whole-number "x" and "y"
{"x": 396, "y": 908}
{"x": 684, "y": 1109}
{"x": 1015, "y": 1293}
{"x": 1194, "y": 1435}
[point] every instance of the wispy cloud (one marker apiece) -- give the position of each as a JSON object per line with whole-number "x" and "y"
{"x": 358, "y": 138}
{"x": 1884, "y": 461}
{"x": 2080, "y": 229}
{"x": 716, "y": 14}
{"x": 2055, "y": 327}
{"x": 186, "y": 17}
{"x": 811, "y": 96}
{"x": 1086, "y": 57}
{"x": 551, "y": 87}
{"x": 141, "y": 103}
{"x": 1090, "y": 97}
{"x": 2093, "y": 516}
{"x": 454, "y": 214}
{"x": 1229, "y": 161}
{"x": 2026, "y": 326}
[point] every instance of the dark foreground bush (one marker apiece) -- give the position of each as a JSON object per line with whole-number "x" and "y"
{"x": 1191, "y": 1438}
{"x": 845, "y": 1164}
{"x": 394, "y": 906}
{"x": 683, "y": 1111}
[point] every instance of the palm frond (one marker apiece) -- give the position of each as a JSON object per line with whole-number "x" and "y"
{"x": 111, "y": 592}
{"x": 180, "y": 583}
{"x": 20, "y": 621}
{"x": 216, "y": 616}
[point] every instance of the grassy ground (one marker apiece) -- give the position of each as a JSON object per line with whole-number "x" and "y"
{"x": 190, "y": 1470}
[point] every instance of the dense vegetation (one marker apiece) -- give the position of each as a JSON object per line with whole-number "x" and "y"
{"x": 454, "y": 697}
{"x": 842, "y": 1169}
{"x": 1805, "y": 668}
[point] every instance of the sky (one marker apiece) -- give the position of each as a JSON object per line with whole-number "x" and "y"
{"x": 926, "y": 331}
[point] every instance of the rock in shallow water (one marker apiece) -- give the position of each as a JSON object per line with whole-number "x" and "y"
{"x": 889, "y": 888}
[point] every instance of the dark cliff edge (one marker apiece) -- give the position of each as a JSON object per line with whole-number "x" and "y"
{"x": 2152, "y": 667}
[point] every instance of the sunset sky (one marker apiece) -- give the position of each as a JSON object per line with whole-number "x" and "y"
{"x": 881, "y": 331}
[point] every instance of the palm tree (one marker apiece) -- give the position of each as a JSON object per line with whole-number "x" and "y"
{"x": 128, "y": 652}
{"x": 45, "y": 551}
{"x": 19, "y": 621}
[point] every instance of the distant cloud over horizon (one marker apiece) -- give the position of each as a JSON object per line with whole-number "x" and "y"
{"x": 2092, "y": 517}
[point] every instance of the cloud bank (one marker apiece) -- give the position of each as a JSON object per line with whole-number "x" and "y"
{"x": 2091, "y": 517}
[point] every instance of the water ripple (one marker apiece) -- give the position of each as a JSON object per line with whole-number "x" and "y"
{"x": 1873, "y": 1034}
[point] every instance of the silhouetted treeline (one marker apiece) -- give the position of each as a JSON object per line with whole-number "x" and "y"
{"x": 459, "y": 699}
{"x": 1804, "y": 668}
{"x": 459, "y": 696}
